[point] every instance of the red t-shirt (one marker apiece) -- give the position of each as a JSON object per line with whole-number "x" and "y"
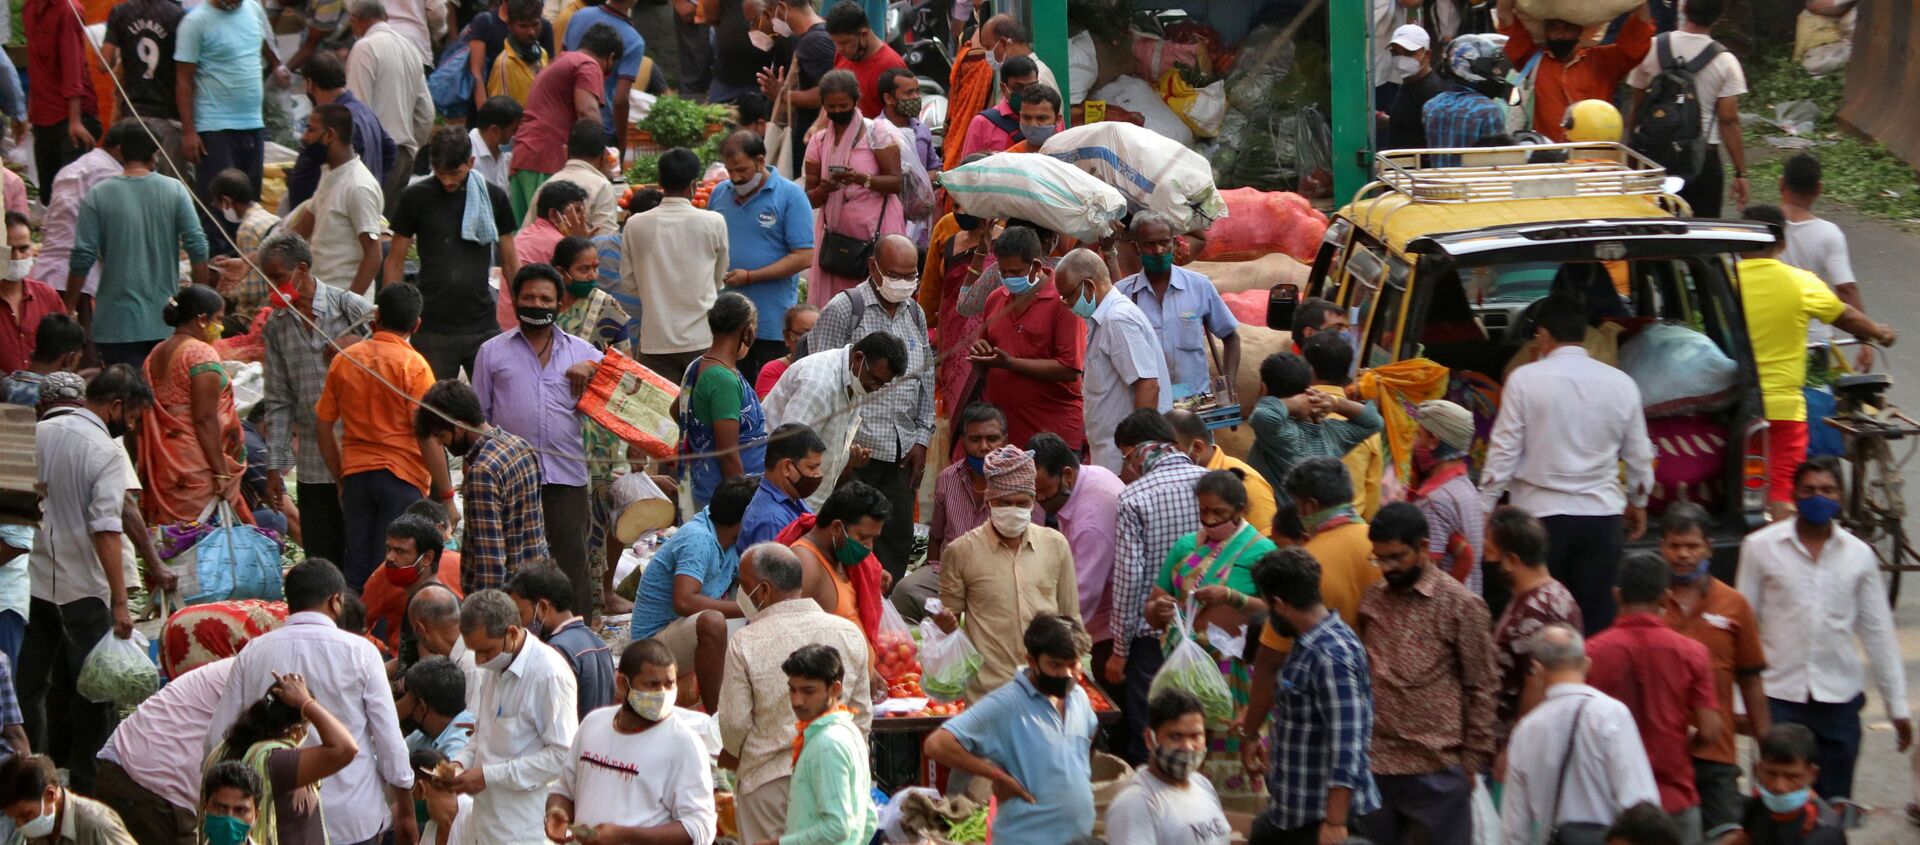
{"x": 1047, "y": 329}
{"x": 541, "y": 143}
{"x": 18, "y": 331}
{"x": 1662, "y": 676}
{"x": 868, "y": 71}
{"x": 57, "y": 63}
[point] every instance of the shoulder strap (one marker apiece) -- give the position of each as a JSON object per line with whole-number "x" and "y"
{"x": 856, "y": 310}
{"x": 1566, "y": 763}
{"x": 1008, "y": 124}
{"x": 1707, "y": 55}
{"x": 1663, "y": 43}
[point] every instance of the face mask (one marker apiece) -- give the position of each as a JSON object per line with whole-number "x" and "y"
{"x": 760, "y": 40}
{"x": 1053, "y": 686}
{"x": 840, "y": 118}
{"x": 898, "y": 289}
{"x": 1781, "y": 803}
{"x": 851, "y": 551}
{"x": 533, "y": 316}
{"x": 1013, "y": 102}
{"x": 781, "y": 28}
{"x": 907, "y": 108}
{"x": 1178, "y": 763}
{"x": 651, "y": 706}
{"x": 231, "y": 215}
{"x": 804, "y": 485}
{"x": 1037, "y": 134}
{"x": 405, "y": 576}
{"x": 746, "y": 188}
{"x": 284, "y": 296}
{"x": 537, "y": 627}
{"x": 859, "y": 385}
{"x": 18, "y": 268}
{"x": 1690, "y": 578}
{"x": 1817, "y": 510}
{"x": 1085, "y": 305}
{"x": 224, "y": 830}
{"x": 1561, "y": 47}
{"x": 1406, "y": 66}
{"x": 1017, "y": 285}
{"x": 214, "y": 330}
{"x": 580, "y": 288}
{"x": 501, "y": 661}
{"x": 1012, "y": 521}
{"x": 1157, "y": 264}
{"x": 41, "y": 826}
{"x": 1217, "y": 534}
{"x": 977, "y": 465}
{"x": 748, "y": 607}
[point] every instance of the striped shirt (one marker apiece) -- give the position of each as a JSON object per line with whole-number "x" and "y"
{"x": 899, "y": 416}
{"x": 296, "y": 370}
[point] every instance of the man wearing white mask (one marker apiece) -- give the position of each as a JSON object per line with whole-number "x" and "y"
{"x": 1411, "y": 49}
{"x": 524, "y": 723}
{"x": 636, "y": 773}
{"x": 755, "y": 714}
{"x": 897, "y": 422}
{"x": 1004, "y": 573}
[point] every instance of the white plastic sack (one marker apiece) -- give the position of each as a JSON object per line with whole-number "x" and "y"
{"x": 1486, "y": 818}
{"x": 1209, "y": 110}
{"x": 1192, "y": 669}
{"x": 1678, "y": 370}
{"x": 1043, "y": 190}
{"x": 1581, "y": 12}
{"x": 1137, "y": 95}
{"x": 1151, "y": 171}
{"x": 118, "y": 672}
{"x": 948, "y": 661}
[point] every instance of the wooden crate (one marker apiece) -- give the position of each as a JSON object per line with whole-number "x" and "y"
{"x": 19, "y": 471}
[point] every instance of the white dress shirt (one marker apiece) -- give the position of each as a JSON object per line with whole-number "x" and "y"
{"x": 491, "y": 167}
{"x": 1566, "y": 424}
{"x": 384, "y": 71}
{"x": 161, "y": 745}
{"x": 345, "y": 674}
{"x": 70, "y": 187}
{"x": 524, "y": 720}
{"x": 674, "y": 260}
{"x": 1809, "y": 612}
{"x": 1609, "y": 770}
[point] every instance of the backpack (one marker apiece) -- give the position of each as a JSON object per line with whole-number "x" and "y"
{"x": 1666, "y": 128}
{"x": 451, "y": 82}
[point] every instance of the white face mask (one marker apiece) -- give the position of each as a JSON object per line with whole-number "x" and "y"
{"x": 1011, "y": 521}
{"x": 760, "y": 40}
{"x": 42, "y": 825}
{"x": 18, "y": 268}
{"x": 748, "y": 606}
{"x": 231, "y": 215}
{"x": 898, "y": 289}
{"x": 781, "y": 29}
{"x": 501, "y": 661}
{"x": 651, "y": 706}
{"x": 1405, "y": 66}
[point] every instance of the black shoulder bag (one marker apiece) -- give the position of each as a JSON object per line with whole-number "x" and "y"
{"x": 1573, "y": 833}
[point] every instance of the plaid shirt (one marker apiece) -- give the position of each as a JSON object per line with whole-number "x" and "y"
{"x": 504, "y": 528}
{"x": 899, "y": 416}
{"x": 1459, "y": 117}
{"x": 296, "y": 369}
{"x": 9, "y": 703}
{"x": 252, "y": 293}
{"x": 1322, "y": 723}
{"x": 817, "y": 391}
{"x": 1156, "y": 510}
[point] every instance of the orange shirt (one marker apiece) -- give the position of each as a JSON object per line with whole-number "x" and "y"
{"x": 1346, "y": 571}
{"x": 1723, "y": 622}
{"x": 377, "y": 426}
{"x": 1592, "y": 73}
{"x": 847, "y": 607}
{"x": 387, "y": 601}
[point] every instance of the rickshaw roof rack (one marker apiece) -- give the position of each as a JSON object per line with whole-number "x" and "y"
{"x": 1494, "y": 174}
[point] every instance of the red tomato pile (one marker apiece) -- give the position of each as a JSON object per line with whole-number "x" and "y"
{"x": 705, "y": 190}
{"x": 933, "y": 709}
{"x": 1094, "y": 696}
{"x": 897, "y": 659}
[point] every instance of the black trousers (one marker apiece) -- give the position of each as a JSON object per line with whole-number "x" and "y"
{"x": 370, "y": 501}
{"x": 323, "y": 528}
{"x": 1583, "y": 552}
{"x": 1707, "y": 190}
{"x": 1144, "y": 660}
{"x": 448, "y": 353}
{"x": 568, "y": 511}
{"x": 52, "y": 150}
{"x": 1265, "y": 832}
{"x": 59, "y": 637}
{"x": 895, "y": 480}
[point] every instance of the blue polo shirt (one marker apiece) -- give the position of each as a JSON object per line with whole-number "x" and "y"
{"x": 771, "y": 224}
{"x": 633, "y": 49}
{"x": 693, "y": 551}
{"x": 770, "y": 511}
{"x": 1191, "y": 309}
{"x": 1020, "y": 730}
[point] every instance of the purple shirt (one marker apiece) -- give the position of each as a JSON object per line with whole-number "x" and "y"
{"x": 1088, "y": 521}
{"x": 536, "y": 403}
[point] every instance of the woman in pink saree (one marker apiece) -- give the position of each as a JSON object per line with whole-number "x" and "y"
{"x": 191, "y": 446}
{"x": 852, "y": 176}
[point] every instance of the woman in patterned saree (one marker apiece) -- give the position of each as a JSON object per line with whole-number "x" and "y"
{"x": 1210, "y": 574}
{"x": 593, "y": 315}
{"x": 191, "y": 447}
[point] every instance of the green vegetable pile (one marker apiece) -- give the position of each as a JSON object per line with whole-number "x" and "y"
{"x": 674, "y": 122}
{"x": 1858, "y": 173}
{"x": 972, "y": 829}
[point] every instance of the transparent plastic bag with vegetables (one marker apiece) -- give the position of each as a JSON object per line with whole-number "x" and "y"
{"x": 896, "y": 657}
{"x": 118, "y": 672}
{"x": 949, "y": 660}
{"x": 1189, "y": 667}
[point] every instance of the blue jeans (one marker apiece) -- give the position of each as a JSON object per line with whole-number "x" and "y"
{"x": 242, "y": 149}
{"x": 1836, "y": 729}
{"x": 13, "y": 629}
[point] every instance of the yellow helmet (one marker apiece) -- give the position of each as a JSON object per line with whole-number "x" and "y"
{"x": 1592, "y": 120}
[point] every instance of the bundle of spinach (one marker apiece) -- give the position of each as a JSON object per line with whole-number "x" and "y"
{"x": 674, "y": 122}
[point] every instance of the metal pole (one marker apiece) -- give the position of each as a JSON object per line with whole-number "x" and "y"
{"x": 1048, "y": 20}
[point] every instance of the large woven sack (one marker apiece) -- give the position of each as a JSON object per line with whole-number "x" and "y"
{"x": 1044, "y": 190}
{"x": 1150, "y": 170}
{"x": 1582, "y": 12}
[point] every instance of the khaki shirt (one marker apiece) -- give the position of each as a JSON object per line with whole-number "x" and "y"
{"x": 84, "y": 821}
{"x": 999, "y": 591}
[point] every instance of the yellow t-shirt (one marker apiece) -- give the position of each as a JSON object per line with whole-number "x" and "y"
{"x": 1346, "y": 571}
{"x": 1778, "y": 300}
{"x": 1261, "y": 505}
{"x": 1366, "y": 463}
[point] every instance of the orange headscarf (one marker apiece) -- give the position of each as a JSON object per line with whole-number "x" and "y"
{"x": 969, "y": 92}
{"x": 1396, "y": 386}
{"x": 800, "y": 729}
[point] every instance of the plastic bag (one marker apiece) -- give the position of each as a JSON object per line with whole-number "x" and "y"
{"x": 1679, "y": 370}
{"x": 895, "y": 655}
{"x": 118, "y": 672}
{"x": 1204, "y": 108}
{"x": 1486, "y": 818}
{"x": 1044, "y": 190}
{"x": 1313, "y": 149}
{"x": 916, "y": 188}
{"x": 950, "y": 661}
{"x": 1189, "y": 667}
{"x": 232, "y": 561}
{"x": 1150, "y": 171}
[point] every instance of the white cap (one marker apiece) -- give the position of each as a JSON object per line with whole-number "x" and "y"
{"x": 1412, "y": 37}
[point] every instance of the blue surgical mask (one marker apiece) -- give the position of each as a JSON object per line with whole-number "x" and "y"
{"x": 1017, "y": 285}
{"x": 1817, "y": 510}
{"x": 978, "y": 465}
{"x": 1085, "y": 305}
{"x": 1785, "y": 802}
{"x": 1693, "y": 577}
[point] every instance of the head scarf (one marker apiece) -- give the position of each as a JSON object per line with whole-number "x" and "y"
{"x": 1009, "y": 471}
{"x": 1449, "y": 422}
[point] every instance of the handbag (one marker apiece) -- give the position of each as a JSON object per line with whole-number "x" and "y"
{"x": 1573, "y": 833}
{"x": 233, "y": 561}
{"x": 846, "y": 255}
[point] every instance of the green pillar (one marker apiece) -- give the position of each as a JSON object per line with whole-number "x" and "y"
{"x": 1048, "y": 20}
{"x": 1352, "y": 118}
{"x": 876, "y": 15}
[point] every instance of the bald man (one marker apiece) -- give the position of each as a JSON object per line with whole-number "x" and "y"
{"x": 1125, "y": 368}
{"x": 897, "y": 422}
